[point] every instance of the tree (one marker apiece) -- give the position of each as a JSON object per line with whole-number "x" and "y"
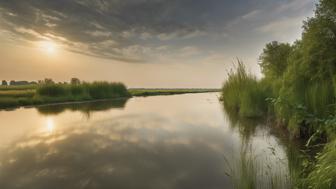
{"x": 48, "y": 81}
{"x": 274, "y": 59}
{"x": 12, "y": 82}
{"x": 75, "y": 81}
{"x": 4, "y": 83}
{"x": 309, "y": 82}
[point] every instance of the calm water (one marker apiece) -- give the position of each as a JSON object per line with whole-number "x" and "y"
{"x": 162, "y": 142}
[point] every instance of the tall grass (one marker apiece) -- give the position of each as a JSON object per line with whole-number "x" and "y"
{"x": 244, "y": 94}
{"x": 12, "y": 96}
{"x": 323, "y": 175}
{"x": 248, "y": 172}
{"x": 304, "y": 106}
{"x": 95, "y": 90}
{"x": 53, "y": 90}
{"x": 99, "y": 90}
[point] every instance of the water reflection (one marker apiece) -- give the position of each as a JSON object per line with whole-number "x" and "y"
{"x": 86, "y": 108}
{"x": 246, "y": 127}
{"x": 182, "y": 141}
{"x": 117, "y": 155}
{"x": 275, "y": 166}
{"x": 50, "y": 125}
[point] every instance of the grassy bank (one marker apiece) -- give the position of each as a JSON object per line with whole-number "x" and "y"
{"x": 14, "y": 96}
{"x": 298, "y": 90}
{"x": 243, "y": 94}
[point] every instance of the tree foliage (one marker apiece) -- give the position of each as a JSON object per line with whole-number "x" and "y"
{"x": 274, "y": 59}
{"x": 303, "y": 75}
{"x": 4, "y": 83}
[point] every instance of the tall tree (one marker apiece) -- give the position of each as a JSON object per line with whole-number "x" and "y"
{"x": 274, "y": 59}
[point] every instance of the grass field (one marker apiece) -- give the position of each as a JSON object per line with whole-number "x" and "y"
{"x": 27, "y": 95}
{"x": 154, "y": 92}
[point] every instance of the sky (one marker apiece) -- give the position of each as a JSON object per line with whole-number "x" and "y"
{"x": 142, "y": 43}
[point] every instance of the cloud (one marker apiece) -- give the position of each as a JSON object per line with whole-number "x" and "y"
{"x": 280, "y": 25}
{"x": 189, "y": 51}
{"x": 251, "y": 15}
{"x": 125, "y": 29}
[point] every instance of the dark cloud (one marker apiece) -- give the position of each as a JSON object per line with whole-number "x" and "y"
{"x": 112, "y": 29}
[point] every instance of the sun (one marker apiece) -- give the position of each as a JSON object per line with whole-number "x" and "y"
{"x": 48, "y": 47}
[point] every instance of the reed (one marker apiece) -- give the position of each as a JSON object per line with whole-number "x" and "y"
{"x": 244, "y": 94}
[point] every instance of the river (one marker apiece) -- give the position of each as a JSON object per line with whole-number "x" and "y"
{"x": 161, "y": 142}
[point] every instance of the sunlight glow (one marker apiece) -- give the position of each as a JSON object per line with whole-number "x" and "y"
{"x": 50, "y": 126}
{"x": 48, "y": 47}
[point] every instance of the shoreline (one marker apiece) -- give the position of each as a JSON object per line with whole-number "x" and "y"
{"x": 143, "y": 93}
{"x": 73, "y": 102}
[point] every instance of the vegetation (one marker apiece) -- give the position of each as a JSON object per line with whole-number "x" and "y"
{"x": 49, "y": 92}
{"x": 247, "y": 172}
{"x": 323, "y": 174}
{"x": 154, "y": 92}
{"x": 242, "y": 93}
{"x": 17, "y": 87}
{"x": 96, "y": 90}
{"x": 12, "y": 96}
{"x": 299, "y": 88}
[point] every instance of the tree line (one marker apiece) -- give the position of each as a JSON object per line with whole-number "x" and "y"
{"x": 73, "y": 81}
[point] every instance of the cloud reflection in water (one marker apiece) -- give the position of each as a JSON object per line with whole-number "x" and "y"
{"x": 121, "y": 153}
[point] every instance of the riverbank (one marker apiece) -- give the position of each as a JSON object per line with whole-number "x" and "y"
{"x": 18, "y": 96}
{"x": 156, "y": 92}
{"x": 298, "y": 90}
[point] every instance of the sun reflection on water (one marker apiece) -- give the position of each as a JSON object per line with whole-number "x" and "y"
{"x": 50, "y": 125}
